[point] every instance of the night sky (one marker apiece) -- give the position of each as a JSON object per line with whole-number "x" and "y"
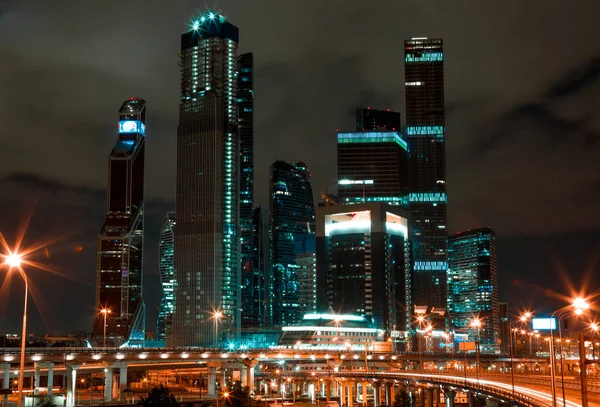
{"x": 522, "y": 81}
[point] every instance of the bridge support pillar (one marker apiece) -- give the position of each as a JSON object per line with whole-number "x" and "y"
{"x": 36, "y": 380}
{"x": 364, "y": 393}
{"x": 428, "y": 397}
{"x": 342, "y": 393}
{"x": 122, "y": 382}
{"x": 212, "y": 381}
{"x": 71, "y": 385}
{"x": 327, "y": 390}
{"x": 350, "y": 397}
{"x": 5, "y": 367}
{"x": 471, "y": 398}
{"x": 244, "y": 376}
{"x": 50, "y": 377}
{"x": 450, "y": 394}
{"x": 376, "y": 401}
{"x": 108, "y": 384}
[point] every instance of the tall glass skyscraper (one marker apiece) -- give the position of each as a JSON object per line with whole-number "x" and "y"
{"x": 425, "y": 132}
{"x": 372, "y": 167}
{"x": 207, "y": 244}
{"x": 252, "y": 295}
{"x": 292, "y": 218}
{"x": 166, "y": 268}
{"x": 473, "y": 281}
{"x": 253, "y": 277}
{"x": 120, "y": 244}
{"x": 363, "y": 254}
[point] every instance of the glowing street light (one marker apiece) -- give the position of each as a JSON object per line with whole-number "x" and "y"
{"x": 217, "y": 315}
{"x": 476, "y": 323}
{"x": 105, "y": 312}
{"x": 14, "y": 260}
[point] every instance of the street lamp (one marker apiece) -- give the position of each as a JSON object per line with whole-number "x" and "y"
{"x": 523, "y": 318}
{"x": 105, "y": 312}
{"x": 580, "y": 305}
{"x": 217, "y": 315}
{"x": 14, "y": 260}
{"x": 420, "y": 320}
{"x": 476, "y": 323}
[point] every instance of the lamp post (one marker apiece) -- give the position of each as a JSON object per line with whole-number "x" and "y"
{"x": 13, "y": 260}
{"x": 105, "y": 312}
{"x": 420, "y": 320}
{"x": 217, "y": 315}
{"x": 522, "y": 319}
{"x": 476, "y": 323}
{"x": 580, "y": 305}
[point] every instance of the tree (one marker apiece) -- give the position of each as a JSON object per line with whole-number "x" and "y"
{"x": 159, "y": 396}
{"x": 239, "y": 396}
{"x": 45, "y": 402}
{"x": 402, "y": 398}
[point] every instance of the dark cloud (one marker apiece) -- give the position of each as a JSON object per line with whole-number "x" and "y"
{"x": 522, "y": 122}
{"x": 576, "y": 80}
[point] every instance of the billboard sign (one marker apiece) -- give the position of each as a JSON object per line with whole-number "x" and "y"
{"x": 543, "y": 324}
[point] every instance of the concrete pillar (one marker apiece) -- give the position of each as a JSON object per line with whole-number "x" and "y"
{"x": 71, "y": 385}
{"x": 122, "y": 381}
{"x": 36, "y": 380}
{"x": 5, "y": 367}
{"x": 250, "y": 378}
{"x": 376, "y": 401}
{"x": 364, "y": 393}
{"x": 350, "y": 396}
{"x": 388, "y": 394}
{"x": 428, "y": 397}
{"x": 244, "y": 376}
{"x": 212, "y": 380}
{"x": 450, "y": 394}
{"x": 50, "y": 377}
{"x": 115, "y": 387}
{"x": 471, "y": 398}
{"x": 327, "y": 390}
{"x": 108, "y": 384}
{"x": 342, "y": 394}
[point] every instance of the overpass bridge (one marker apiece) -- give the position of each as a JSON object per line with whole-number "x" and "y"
{"x": 115, "y": 362}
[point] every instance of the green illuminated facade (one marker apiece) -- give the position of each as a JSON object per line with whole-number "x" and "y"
{"x": 473, "y": 281}
{"x": 372, "y": 167}
{"x": 207, "y": 244}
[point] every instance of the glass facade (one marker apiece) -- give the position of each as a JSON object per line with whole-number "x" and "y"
{"x": 372, "y": 167}
{"x": 364, "y": 263}
{"x": 425, "y": 133}
{"x": 292, "y": 220}
{"x": 473, "y": 281}
{"x": 207, "y": 243}
{"x": 120, "y": 243}
{"x": 254, "y": 313}
{"x": 166, "y": 268}
{"x": 252, "y": 295}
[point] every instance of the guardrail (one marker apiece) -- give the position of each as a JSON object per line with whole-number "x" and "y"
{"x": 495, "y": 391}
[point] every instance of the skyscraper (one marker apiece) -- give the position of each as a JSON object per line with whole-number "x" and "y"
{"x": 253, "y": 277}
{"x": 207, "y": 245}
{"x": 363, "y": 262}
{"x": 166, "y": 268}
{"x": 473, "y": 281}
{"x": 250, "y": 297}
{"x": 120, "y": 244}
{"x": 374, "y": 119}
{"x": 292, "y": 218}
{"x": 372, "y": 167}
{"x": 425, "y": 133}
